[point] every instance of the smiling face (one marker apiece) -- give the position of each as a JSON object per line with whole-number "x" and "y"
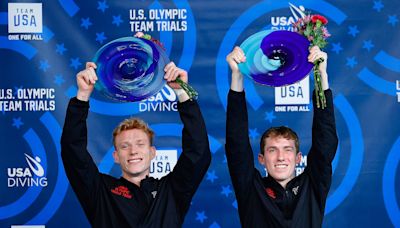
{"x": 280, "y": 157}
{"x": 134, "y": 153}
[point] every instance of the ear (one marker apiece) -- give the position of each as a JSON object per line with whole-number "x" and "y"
{"x": 115, "y": 156}
{"x": 153, "y": 152}
{"x": 261, "y": 159}
{"x": 298, "y": 158}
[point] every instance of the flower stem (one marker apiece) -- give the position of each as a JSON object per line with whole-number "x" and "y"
{"x": 188, "y": 89}
{"x": 319, "y": 92}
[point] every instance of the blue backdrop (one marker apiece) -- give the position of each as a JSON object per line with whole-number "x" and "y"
{"x": 43, "y": 44}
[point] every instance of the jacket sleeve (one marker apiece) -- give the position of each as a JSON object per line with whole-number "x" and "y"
{"x": 238, "y": 150}
{"x": 195, "y": 158}
{"x": 81, "y": 171}
{"x": 323, "y": 148}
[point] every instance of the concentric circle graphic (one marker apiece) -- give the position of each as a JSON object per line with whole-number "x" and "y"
{"x": 388, "y": 184}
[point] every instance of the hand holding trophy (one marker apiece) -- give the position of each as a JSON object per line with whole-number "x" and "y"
{"x": 280, "y": 58}
{"x": 132, "y": 69}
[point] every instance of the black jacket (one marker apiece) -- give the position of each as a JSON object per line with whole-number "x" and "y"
{"x": 262, "y": 202}
{"x": 111, "y": 202}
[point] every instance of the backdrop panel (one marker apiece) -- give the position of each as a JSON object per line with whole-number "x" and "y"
{"x": 43, "y": 44}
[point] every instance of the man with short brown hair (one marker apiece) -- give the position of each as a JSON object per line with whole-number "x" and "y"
{"x": 281, "y": 199}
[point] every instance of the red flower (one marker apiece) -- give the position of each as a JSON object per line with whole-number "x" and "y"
{"x": 315, "y": 18}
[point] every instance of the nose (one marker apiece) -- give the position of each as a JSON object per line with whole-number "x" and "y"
{"x": 280, "y": 156}
{"x": 133, "y": 151}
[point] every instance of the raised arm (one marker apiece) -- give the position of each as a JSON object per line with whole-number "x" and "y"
{"x": 81, "y": 171}
{"x": 324, "y": 137}
{"x": 238, "y": 150}
{"x": 196, "y": 156}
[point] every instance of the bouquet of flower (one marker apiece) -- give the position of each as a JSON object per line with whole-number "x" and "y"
{"x": 188, "y": 89}
{"x": 313, "y": 28}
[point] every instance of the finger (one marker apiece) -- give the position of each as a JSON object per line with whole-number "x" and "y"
{"x": 314, "y": 48}
{"x": 82, "y": 76}
{"x": 91, "y": 64}
{"x": 168, "y": 66}
{"x": 174, "y": 74}
{"x": 313, "y": 56}
{"x": 92, "y": 76}
{"x": 238, "y": 50}
{"x": 168, "y": 73}
{"x": 139, "y": 34}
{"x": 239, "y": 58}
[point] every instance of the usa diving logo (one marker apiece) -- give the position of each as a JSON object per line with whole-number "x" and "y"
{"x": 25, "y": 21}
{"x": 163, "y": 163}
{"x": 163, "y": 101}
{"x": 33, "y": 175}
{"x": 295, "y": 97}
{"x": 284, "y": 22}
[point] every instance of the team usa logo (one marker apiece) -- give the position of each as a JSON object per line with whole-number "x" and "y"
{"x": 163, "y": 163}
{"x": 25, "y": 21}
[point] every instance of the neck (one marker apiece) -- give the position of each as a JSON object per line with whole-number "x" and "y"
{"x": 284, "y": 183}
{"x": 135, "y": 179}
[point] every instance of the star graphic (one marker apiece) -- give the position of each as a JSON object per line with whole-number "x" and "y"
{"x": 201, "y": 216}
{"x": 367, "y": 44}
{"x": 211, "y": 176}
{"x": 44, "y": 65}
{"x": 100, "y": 37}
{"x": 351, "y": 62}
{"x": 270, "y": 116}
{"x": 16, "y": 89}
{"x": 102, "y": 6}
{"x": 234, "y": 204}
{"x": 60, "y": 49}
{"x": 58, "y": 79}
{"x": 377, "y": 6}
{"x": 353, "y": 30}
{"x": 85, "y": 22}
{"x": 117, "y": 20}
{"x": 214, "y": 225}
{"x": 75, "y": 63}
{"x": 226, "y": 190}
{"x": 392, "y": 19}
{"x": 17, "y": 122}
{"x": 253, "y": 134}
{"x": 336, "y": 47}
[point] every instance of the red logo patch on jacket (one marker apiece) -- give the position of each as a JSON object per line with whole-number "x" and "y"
{"x": 270, "y": 193}
{"x": 122, "y": 191}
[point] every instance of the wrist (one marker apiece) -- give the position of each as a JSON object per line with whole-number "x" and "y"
{"x": 179, "y": 92}
{"x": 324, "y": 81}
{"x": 237, "y": 82}
{"x": 83, "y": 96}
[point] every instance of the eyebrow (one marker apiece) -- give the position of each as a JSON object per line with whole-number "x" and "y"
{"x": 275, "y": 147}
{"x": 291, "y": 147}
